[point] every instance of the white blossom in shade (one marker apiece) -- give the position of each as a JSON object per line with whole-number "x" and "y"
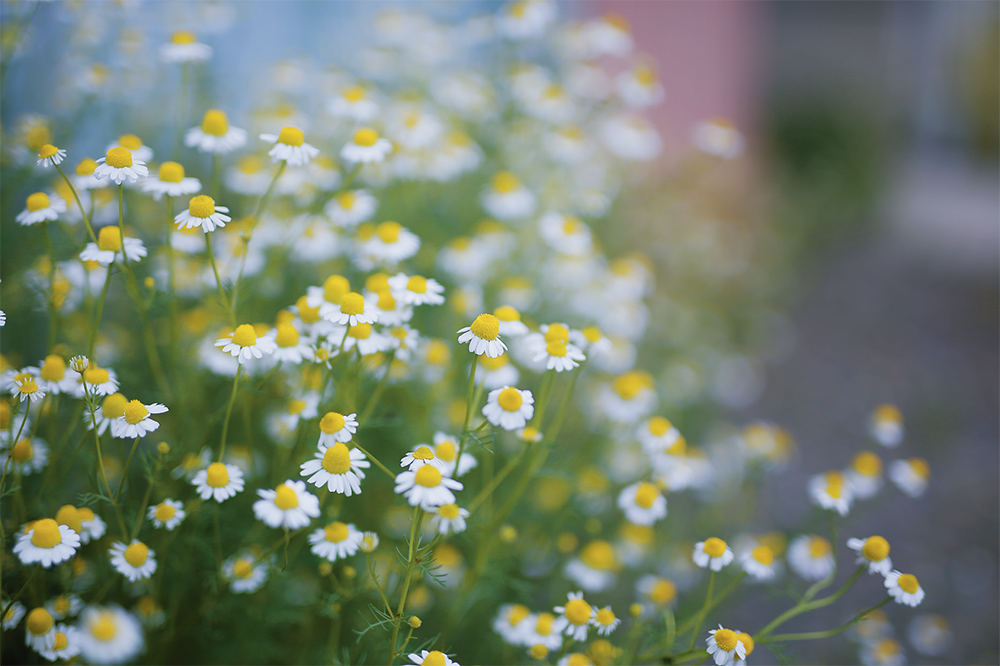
{"x": 831, "y": 491}
{"x": 759, "y": 563}
{"x": 65, "y": 646}
{"x": 24, "y": 385}
{"x": 885, "y": 425}
{"x": 47, "y": 543}
{"x": 565, "y": 234}
{"x": 40, "y": 630}
{"x": 118, "y": 165}
{"x": 366, "y": 147}
{"x": 449, "y": 519}
{"x": 811, "y": 557}
{"x": 540, "y": 629}
{"x": 930, "y": 634}
{"x": 202, "y": 213}
{"x": 446, "y": 450}
{"x": 639, "y": 86}
{"x": 416, "y": 289}
{"x": 244, "y": 344}
{"x": 713, "y": 553}
{"x": 883, "y": 652}
{"x": 718, "y": 137}
{"x": 509, "y": 408}
{"x": 426, "y": 487}
{"x": 596, "y": 568}
{"x": 904, "y": 588}
{"x": 41, "y": 207}
{"x": 92, "y": 527}
{"x": 390, "y": 244}
{"x": 336, "y": 541}
{"x": 353, "y": 102}
{"x": 246, "y": 573}
{"x": 865, "y": 475}
{"x": 289, "y": 506}
{"x": 349, "y": 209}
{"x": 167, "y": 514}
{"x": 512, "y": 621}
{"x": 219, "y": 482}
{"x": 507, "y": 199}
{"x": 109, "y": 635}
{"x": 170, "y": 181}
{"x": 631, "y": 137}
{"x": 643, "y": 503}
{"x": 183, "y": 47}
{"x": 338, "y": 468}
{"x": 525, "y": 19}
{"x": 134, "y": 561}
{"x": 911, "y": 476}
{"x": 605, "y": 621}
{"x": 290, "y": 146}
{"x": 30, "y": 455}
{"x": 872, "y": 552}
{"x": 136, "y": 421}
{"x": 215, "y": 134}
{"x": 483, "y": 336}
{"x": 14, "y": 615}
{"x": 724, "y": 647}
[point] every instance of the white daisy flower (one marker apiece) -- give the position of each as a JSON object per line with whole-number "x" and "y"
{"x": 353, "y": 102}
{"x": 886, "y": 425}
{"x": 643, "y": 503}
{"x": 574, "y": 617}
{"x": 203, "y": 214}
{"x": 349, "y": 209}
{"x": 109, "y": 635}
{"x": 402, "y": 339}
{"x": 29, "y": 455}
{"x": 865, "y": 475}
{"x": 368, "y": 340}
{"x": 338, "y": 467}
{"x": 596, "y": 568}
{"x": 289, "y": 506}
{"x": 426, "y": 487}
{"x": 511, "y": 622}
{"x": 136, "y": 422}
{"x": 831, "y": 491}
{"x": 930, "y": 634}
{"x": 47, "y": 543}
{"x": 605, "y": 621}
{"x": 134, "y": 561}
{"x": 219, "y": 481}
{"x": 559, "y": 356}
{"x": 639, "y": 86}
{"x": 170, "y": 181}
{"x": 420, "y": 456}
{"x": 112, "y": 408}
{"x": 168, "y": 513}
{"x": 904, "y": 588}
{"x": 759, "y": 563}
{"x": 724, "y": 646}
{"x": 290, "y": 346}
{"x": 541, "y": 629}
{"x": 184, "y": 47}
{"x": 631, "y": 137}
{"x": 40, "y": 630}
{"x": 244, "y": 344}
{"x": 525, "y": 19}
{"x": 449, "y": 519}
{"x": 83, "y": 177}
{"x": 119, "y": 165}
{"x": 883, "y": 652}
{"x": 134, "y": 145}
{"x": 63, "y": 606}
{"x": 657, "y": 435}
{"x": 92, "y": 527}
{"x": 483, "y": 336}
{"x": 911, "y": 476}
{"x": 25, "y": 387}
{"x": 629, "y": 398}
{"x": 336, "y": 541}
{"x": 335, "y": 427}
{"x": 245, "y": 573}
{"x": 49, "y": 155}
{"x": 497, "y": 372}
{"x": 431, "y": 658}
{"x": 565, "y": 234}
{"x": 660, "y": 591}
{"x": 873, "y": 552}
{"x": 509, "y": 408}
{"x": 98, "y": 381}
{"x": 712, "y": 553}
{"x": 111, "y": 246}
{"x": 416, "y": 290}
{"x": 510, "y": 321}
{"x": 811, "y": 557}
{"x": 390, "y": 244}
{"x": 215, "y": 135}
{"x": 507, "y": 199}
{"x": 41, "y": 207}
{"x": 366, "y": 147}
{"x": 66, "y": 644}
{"x": 718, "y": 137}
{"x": 52, "y": 377}
{"x": 369, "y": 542}
{"x": 289, "y": 145}
{"x": 14, "y": 615}
{"x": 446, "y": 450}
{"x": 352, "y": 310}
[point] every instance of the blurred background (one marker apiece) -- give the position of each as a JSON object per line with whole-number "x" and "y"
{"x": 863, "y": 219}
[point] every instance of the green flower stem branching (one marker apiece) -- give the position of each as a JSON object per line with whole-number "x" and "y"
{"x": 806, "y": 605}
{"x": 704, "y": 610}
{"x": 726, "y": 591}
{"x": 816, "y": 635}
{"x": 415, "y": 522}
{"x": 92, "y": 406}
{"x": 229, "y": 411}
{"x": 86, "y": 218}
{"x": 378, "y": 585}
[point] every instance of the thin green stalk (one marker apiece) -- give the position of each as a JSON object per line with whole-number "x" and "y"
{"x": 53, "y": 319}
{"x": 726, "y": 591}
{"x": 374, "y": 460}
{"x": 145, "y": 499}
{"x": 99, "y": 312}
{"x": 378, "y": 585}
{"x": 17, "y": 596}
{"x": 806, "y": 606}
{"x": 256, "y": 219}
{"x": 171, "y": 284}
{"x": 543, "y": 399}
{"x": 100, "y": 461}
{"x": 14, "y": 441}
{"x": 377, "y": 393}
{"x": 121, "y": 483}
{"x": 86, "y": 218}
{"x": 814, "y": 635}
{"x": 415, "y": 522}
{"x": 218, "y": 281}
{"x": 468, "y": 407}
{"x": 704, "y": 610}
{"x": 229, "y": 411}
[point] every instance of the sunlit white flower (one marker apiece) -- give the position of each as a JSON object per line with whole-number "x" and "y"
{"x": 64, "y": 606}
{"x": 904, "y": 588}
{"x": 135, "y": 561}
{"x": 220, "y": 481}
{"x": 831, "y": 491}
{"x": 507, "y": 199}
{"x": 512, "y": 620}
{"x": 168, "y": 514}
{"x": 290, "y": 146}
{"x": 29, "y": 455}
{"x": 98, "y": 381}
{"x": 483, "y": 336}
{"x": 353, "y": 102}
{"x": 759, "y": 562}
{"x": 811, "y": 557}
{"x": 605, "y": 621}
{"x": 596, "y": 568}
{"x": 41, "y": 207}
{"x": 525, "y": 19}
{"x": 119, "y": 165}
{"x": 92, "y": 527}
{"x": 49, "y": 155}
{"x": 215, "y": 135}
{"x": 431, "y": 658}
{"x": 865, "y": 475}
{"x": 134, "y": 145}
{"x": 14, "y": 615}
{"x": 111, "y": 246}
{"x": 426, "y": 487}
{"x": 348, "y": 209}
{"x": 66, "y": 644}
{"x": 352, "y": 310}
{"x": 46, "y": 543}
{"x": 631, "y": 137}
{"x": 509, "y": 408}
{"x": 336, "y": 541}
{"x": 203, "y": 214}
{"x": 170, "y": 181}
{"x": 40, "y": 630}
{"x": 873, "y": 552}
{"x": 135, "y": 421}
{"x": 449, "y": 519}
{"x": 416, "y": 290}
{"x": 366, "y": 147}
{"x": 390, "y": 244}
{"x": 574, "y": 617}
{"x": 337, "y": 467}
{"x": 639, "y": 86}
{"x": 712, "y": 553}
{"x": 289, "y": 506}
{"x": 643, "y": 503}
{"x": 244, "y": 344}
{"x": 420, "y": 456}
{"x": 24, "y": 386}
{"x": 446, "y": 450}
{"x": 109, "y": 635}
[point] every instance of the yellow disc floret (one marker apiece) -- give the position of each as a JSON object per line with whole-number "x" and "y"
{"x": 285, "y": 498}
{"x": 171, "y": 172}
{"x": 763, "y": 554}
{"x": 867, "y": 463}
{"x": 135, "y": 411}
{"x": 510, "y": 399}
{"x": 46, "y": 534}
{"x": 53, "y": 368}
{"x": 388, "y": 232}
{"x": 37, "y": 201}
{"x": 201, "y": 206}
{"x": 507, "y": 313}
{"x": 578, "y": 611}
{"x": 876, "y": 548}
{"x": 307, "y": 314}
{"x": 658, "y": 426}
{"x": 505, "y": 182}
{"x": 68, "y": 515}
{"x": 104, "y": 628}
{"x": 243, "y": 568}
{"x": 287, "y": 336}
{"x": 365, "y": 136}
{"x": 217, "y": 476}
{"x": 48, "y": 150}
{"x": 23, "y": 451}
{"x": 291, "y": 136}
{"x": 86, "y": 167}
{"x": 486, "y": 327}
{"x": 747, "y": 641}
{"x": 114, "y": 406}
{"x": 130, "y": 141}
{"x": 336, "y": 532}
{"x": 335, "y": 288}
{"x": 417, "y": 284}
{"x": 908, "y": 583}
{"x": 96, "y": 375}
{"x": 352, "y": 304}
{"x": 109, "y": 239}
{"x": 332, "y": 423}
{"x": 215, "y": 123}
{"x": 337, "y": 459}
{"x": 136, "y": 554}
{"x": 556, "y": 348}
{"x": 599, "y": 555}
{"x": 118, "y": 157}
{"x": 61, "y": 642}
{"x": 164, "y": 512}
{"x": 434, "y": 658}
{"x": 39, "y": 622}
{"x": 726, "y": 639}
{"x": 646, "y": 494}
{"x": 715, "y": 547}
{"x": 423, "y": 452}
{"x": 663, "y": 592}
{"x": 819, "y": 547}
{"x": 449, "y": 511}
{"x": 428, "y": 476}
{"x": 245, "y": 336}
{"x": 183, "y": 37}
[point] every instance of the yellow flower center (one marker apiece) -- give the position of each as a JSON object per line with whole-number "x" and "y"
{"x": 332, "y": 422}
{"x": 510, "y": 399}
{"x": 183, "y": 37}
{"x": 417, "y": 284}
{"x": 353, "y": 93}
{"x": 37, "y": 136}
{"x": 104, "y": 628}
{"x": 360, "y": 332}
{"x": 54, "y": 368}
{"x": 571, "y": 225}
{"x": 557, "y": 332}
{"x": 726, "y": 639}
{"x": 434, "y": 658}
{"x": 763, "y": 554}
{"x": 46, "y": 534}
{"x": 130, "y": 141}
{"x": 291, "y": 136}
{"x": 201, "y": 206}
{"x": 48, "y": 150}
{"x": 365, "y": 137}
{"x": 507, "y": 313}
{"x": 605, "y": 616}
{"x": 215, "y": 123}
{"x": 118, "y": 157}
{"x": 646, "y": 495}
{"x": 908, "y": 583}
{"x": 114, "y": 406}
{"x": 245, "y": 336}
{"x": 86, "y": 167}
{"x": 218, "y": 475}
{"x": 70, "y": 517}
{"x": 819, "y": 547}
{"x": 86, "y": 514}
{"x": 834, "y": 484}
{"x": 389, "y": 232}
{"x": 556, "y": 348}
{"x": 486, "y": 327}
{"x": 578, "y": 611}
{"x": 23, "y": 451}
{"x": 446, "y": 451}
{"x": 307, "y": 314}
{"x": 645, "y": 75}
{"x": 136, "y": 554}
{"x": 346, "y": 200}
{"x": 494, "y": 363}
{"x": 428, "y": 476}
{"x": 920, "y": 467}
{"x": 715, "y": 547}
{"x": 146, "y": 606}
{"x": 61, "y": 642}
{"x": 296, "y": 406}
{"x": 37, "y": 201}
{"x": 437, "y": 352}
{"x": 543, "y": 627}
{"x": 628, "y": 385}
{"x": 449, "y": 511}
{"x": 109, "y": 239}
{"x": 165, "y": 512}
{"x": 888, "y": 413}
{"x": 336, "y": 532}
{"x": 39, "y": 622}
{"x": 337, "y": 459}
{"x": 287, "y": 336}
{"x": 171, "y": 172}
{"x": 352, "y": 304}
{"x": 592, "y": 333}
{"x": 867, "y": 463}
{"x": 243, "y": 568}
{"x": 285, "y": 498}
{"x": 658, "y": 426}
{"x": 599, "y": 555}
{"x": 663, "y": 592}
{"x": 335, "y": 288}
{"x": 876, "y": 548}
{"x": 423, "y": 453}
{"x": 96, "y": 375}
{"x": 505, "y": 182}
{"x": 135, "y": 411}
{"x": 518, "y": 612}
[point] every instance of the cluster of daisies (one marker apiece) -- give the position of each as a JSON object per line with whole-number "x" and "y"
{"x": 555, "y": 630}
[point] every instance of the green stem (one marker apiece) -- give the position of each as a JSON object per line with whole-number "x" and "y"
{"x": 543, "y": 399}
{"x": 377, "y": 393}
{"x": 378, "y": 585}
{"x": 14, "y": 441}
{"x": 229, "y": 411}
{"x": 814, "y": 635}
{"x": 468, "y": 406}
{"x": 415, "y": 523}
{"x": 100, "y": 460}
{"x": 53, "y": 319}
{"x": 704, "y": 610}
{"x": 256, "y": 219}
{"x": 715, "y": 601}
{"x": 121, "y": 483}
{"x": 17, "y": 596}
{"x": 218, "y": 281}
{"x": 805, "y": 606}
{"x": 99, "y": 312}
{"x": 145, "y": 499}
{"x": 86, "y": 218}
{"x": 374, "y": 460}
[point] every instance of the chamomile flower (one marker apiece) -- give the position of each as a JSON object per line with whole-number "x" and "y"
{"x": 98, "y": 381}
{"x": 565, "y": 234}
{"x": 336, "y": 541}
{"x": 63, "y": 606}
{"x": 811, "y": 557}
{"x": 366, "y": 147}
{"x": 402, "y": 339}
{"x": 111, "y": 246}
{"x": 338, "y": 467}
{"x": 367, "y": 339}
{"x": 66, "y": 644}
{"x": 885, "y": 425}
{"x": 631, "y": 137}
{"x": 335, "y": 427}
{"x": 354, "y": 102}
{"x": 904, "y": 588}
{"x": 134, "y": 145}
{"x": 559, "y": 356}
{"x": 349, "y": 209}
{"x": 639, "y": 86}
{"x": 511, "y": 622}
{"x": 24, "y": 386}
{"x": 643, "y": 503}
{"x": 662, "y": 592}
{"x": 92, "y": 527}
{"x": 930, "y": 634}
{"x": 40, "y": 631}
{"x": 246, "y": 573}
{"x": 541, "y": 629}
{"x": 168, "y": 514}
{"x": 369, "y": 542}
{"x": 712, "y": 553}
{"x": 29, "y": 455}
{"x": 510, "y": 321}
{"x": 864, "y": 475}
{"x": 119, "y": 165}
{"x": 203, "y": 214}
{"x": 83, "y": 176}
{"x": 420, "y": 456}
{"x": 718, "y": 137}
{"x": 416, "y": 290}
{"x": 431, "y": 658}
{"x": 873, "y": 552}
{"x": 109, "y": 635}
{"x": 426, "y": 487}
{"x": 47, "y": 543}
{"x": 289, "y": 506}
{"x": 49, "y": 155}
{"x": 446, "y": 450}
{"x": 509, "y": 408}
{"x": 134, "y": 561}
{"x": 219, "y": 481}
{"x": 184, "y": 47}
{"x": 483, "y": 336}
{"x": 574, "y": 617}
{"x": 496, "y": 372}
{"x": 244, "y": 344}
{"x": 724, "y": 646}
{"x": 449, "y": 519}
{"x": 215, "y": 134}
{"x": 14, "y": 615}
{"x": 911, "y": 476}
{"x": 52, "y": 376}
{"x": 525, "y": 19}
{"x": 596, "y": 568}
{"x": 112, "y": 408}
{"x": 289, "y": 145}
{"x": 41, "y": 207}
{"x": 883, "y": 652}
{"x": 352, "y": 310}
{"x": 507, "y": 199}
{"x": 831, "y": 491}
{"x": 289, "y": 345}
{"x": 390, "y": 244}
{"x": 135, "y": 421}
{"x": 170, "y": 181}
{"x": 759, "y": 563}
{"x": 605, "y": 621}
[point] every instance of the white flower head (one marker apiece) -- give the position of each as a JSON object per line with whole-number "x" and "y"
{"x": 338, "y": 467}
{"x": 244, "y": 343}
{"x": 119, "y": 165}
{"x": 509, "y": 408}
{"x": 724, "y": 646}
{"x": 712, "y": 553}
{"x": 41, "y": 207}
{"x": 184, "y": 47}
{"x": 366, "y": 147}
{"x": 219, "y": 481}
{"x": 831, "y": 491}
{"x": 873, "y": 552}
{"x": 643, "y": 503}
{"x": 352, "y": 310}
{"x": 904, "y": 588}
{"x": 289, "y": 506}
{"x": 759, "y": 563}
{"x": 427, "y": 487}
{"x": 49, "y": 155}
{"x": 431, "y": 658}
{"x": 483, "y": 336}
{"x": 450, "y": 519}
{"x": 109, "y": 635}
{"x": 47, "y": 543}
{"x": 420, "y": 456}
{"x": 65, "y": 646}
{"x": 416, "y": 289}
{"x": 215, "y": 134}
{"x": 112, "y": 246}
{"x": 335, "y": 427}
{"x": 167, "y": 514}
{"x": 170, "y": 181}
{"x": 246, "y": 573}
{"x": 202, "y": 213}
{"x": 574, "y": 617}
{"x": 336, "y": 541}
{"x": 811, "y": 557}
{"x": 136, "y": 421}
{"x": 289, "y": 145}
{"x": 134, "y": 561}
